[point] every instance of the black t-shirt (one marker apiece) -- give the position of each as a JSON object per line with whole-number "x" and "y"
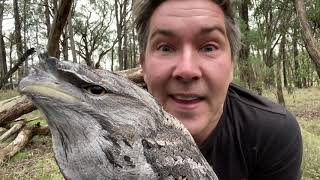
{"x": 254, "y": 139}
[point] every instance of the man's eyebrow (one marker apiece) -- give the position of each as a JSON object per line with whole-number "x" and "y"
{"x": 163, "y": 32}
{"x": 207, "y": 30}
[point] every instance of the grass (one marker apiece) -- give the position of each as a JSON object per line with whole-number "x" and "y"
{"x": 36, "y": 161}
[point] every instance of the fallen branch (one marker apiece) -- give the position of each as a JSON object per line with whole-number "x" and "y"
{"x": 3, "y": 130}
{"x": 23, "y": 58}
{"x": 23, "y": 138}
{"x": 15, "y": 128}
{"x": 16, "y": 145}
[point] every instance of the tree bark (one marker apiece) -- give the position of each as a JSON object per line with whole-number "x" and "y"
{"x": 3, "y": 59}
{"x": 58, "y": 24}
{"x": 64, "y": 44}
{"x": 279, "y": 81}
{"x": 14, "y": 129}
{"x": 297, "y": 77}
{"x": 13, "y": 108}
{"x": 17, "y": 25}
{"x": 246, "y": 71}
{"x": 23, "y": 138}
{"x": 309, "y": 40}
{"x": 71, "y": 35}
{"x": 47, "y": 15}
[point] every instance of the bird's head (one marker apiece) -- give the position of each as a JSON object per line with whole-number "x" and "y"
{"x": 85, "y": 109}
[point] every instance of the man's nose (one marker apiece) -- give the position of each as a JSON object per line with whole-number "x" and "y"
{"x": 187, "y": 67}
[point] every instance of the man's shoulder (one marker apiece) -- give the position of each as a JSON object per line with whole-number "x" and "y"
{"x": 259, "y": 118}
{"x": 250, "y": 110}
{"x": 245, "y": 98}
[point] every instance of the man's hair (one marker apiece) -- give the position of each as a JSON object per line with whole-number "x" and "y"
{"x": 143, "y": 10}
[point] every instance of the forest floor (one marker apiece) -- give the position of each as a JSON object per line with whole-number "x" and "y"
{"x": 36, "y": 160}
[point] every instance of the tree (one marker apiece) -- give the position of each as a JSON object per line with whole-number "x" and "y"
{"x": 58, "y": 24}
{"x": 246, "y": 71}
{"x": 310, "y": 42}
{"x": 3, "y": 59}
{"x": 18, "y": 37}
{"x": 71, "y": 37}
{"x": 94, "y": 32}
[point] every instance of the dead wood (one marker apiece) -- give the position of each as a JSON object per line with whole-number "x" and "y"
{"x": 3, "y": 130}
{"x": 23, "y": 58}
{"x": 16, "y": 145}
{"x": 14, "y": 129}
{"x": 14, "y": 108}
{"x": 23, "y": 138}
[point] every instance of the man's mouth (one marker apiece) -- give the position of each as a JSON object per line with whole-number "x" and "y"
{"x": 186, "y": 99}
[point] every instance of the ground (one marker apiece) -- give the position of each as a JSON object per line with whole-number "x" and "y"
{"x": 36, "y": 161}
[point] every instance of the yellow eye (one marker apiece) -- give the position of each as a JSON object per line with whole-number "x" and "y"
{"x": 95, "y": 90}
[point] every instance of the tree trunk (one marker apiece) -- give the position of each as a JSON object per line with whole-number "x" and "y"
{"x": 279, "y": 82}
{"x": 309, "y": 40}
{"x": 134, "y": 51}
{"x": 112, "y": 60}
{"x": 3, "y": 59}
{"x": 25, "y": 29}
{"x": 125, "y": 33}
{"x": 246, "y": 71}
{"x": 119, "y": 21}
{"x": 64, "y": 44}
{"x": 17, "y": 25}
{"x": 58, "y": 24}
{"x": 11, "y": 64}
{"x": 71, "y": 36}
{"x": 47, "y": 15}
{"x": 296, "y": 73}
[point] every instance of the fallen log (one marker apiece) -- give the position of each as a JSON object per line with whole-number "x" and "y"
{"x": 3, "y": 130}
{"x": 14, "y": 108}
{"x": 23, "y": 138}
{"x": 15, "y": 146}
{"x": 14, "y": 129}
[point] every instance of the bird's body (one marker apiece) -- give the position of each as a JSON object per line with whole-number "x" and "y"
{"x": 105, "y": 127}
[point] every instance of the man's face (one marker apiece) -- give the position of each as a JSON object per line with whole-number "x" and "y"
{"x": 187, "y": 63}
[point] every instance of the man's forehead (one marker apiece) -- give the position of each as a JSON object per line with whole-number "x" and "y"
{"x": 183, "y": 8}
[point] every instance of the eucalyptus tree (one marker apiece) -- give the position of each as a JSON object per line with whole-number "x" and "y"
{"x": 3, "y": 59}
{"x": 309, "y": 40}
{"x": 93, "y": 31}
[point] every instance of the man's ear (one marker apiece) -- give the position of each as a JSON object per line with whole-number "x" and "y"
{"x": 142, "y": 60}
{"x": 143, "y": 66}
{"x": 231, "y": 73}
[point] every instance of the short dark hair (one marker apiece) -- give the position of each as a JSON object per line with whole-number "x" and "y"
{"x": 143, "y": 10}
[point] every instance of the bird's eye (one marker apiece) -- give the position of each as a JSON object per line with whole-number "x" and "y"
{"x": 95, "y": 90}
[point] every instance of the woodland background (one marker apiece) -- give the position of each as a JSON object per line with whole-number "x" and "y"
{"x": 100, "y": 33}
{"x": 279, "y": 58}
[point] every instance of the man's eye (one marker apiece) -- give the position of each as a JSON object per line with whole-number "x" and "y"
{"x": 209, "y": 48}
{"x": 95, "y": 90}
{"x": 165, "y": 48}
